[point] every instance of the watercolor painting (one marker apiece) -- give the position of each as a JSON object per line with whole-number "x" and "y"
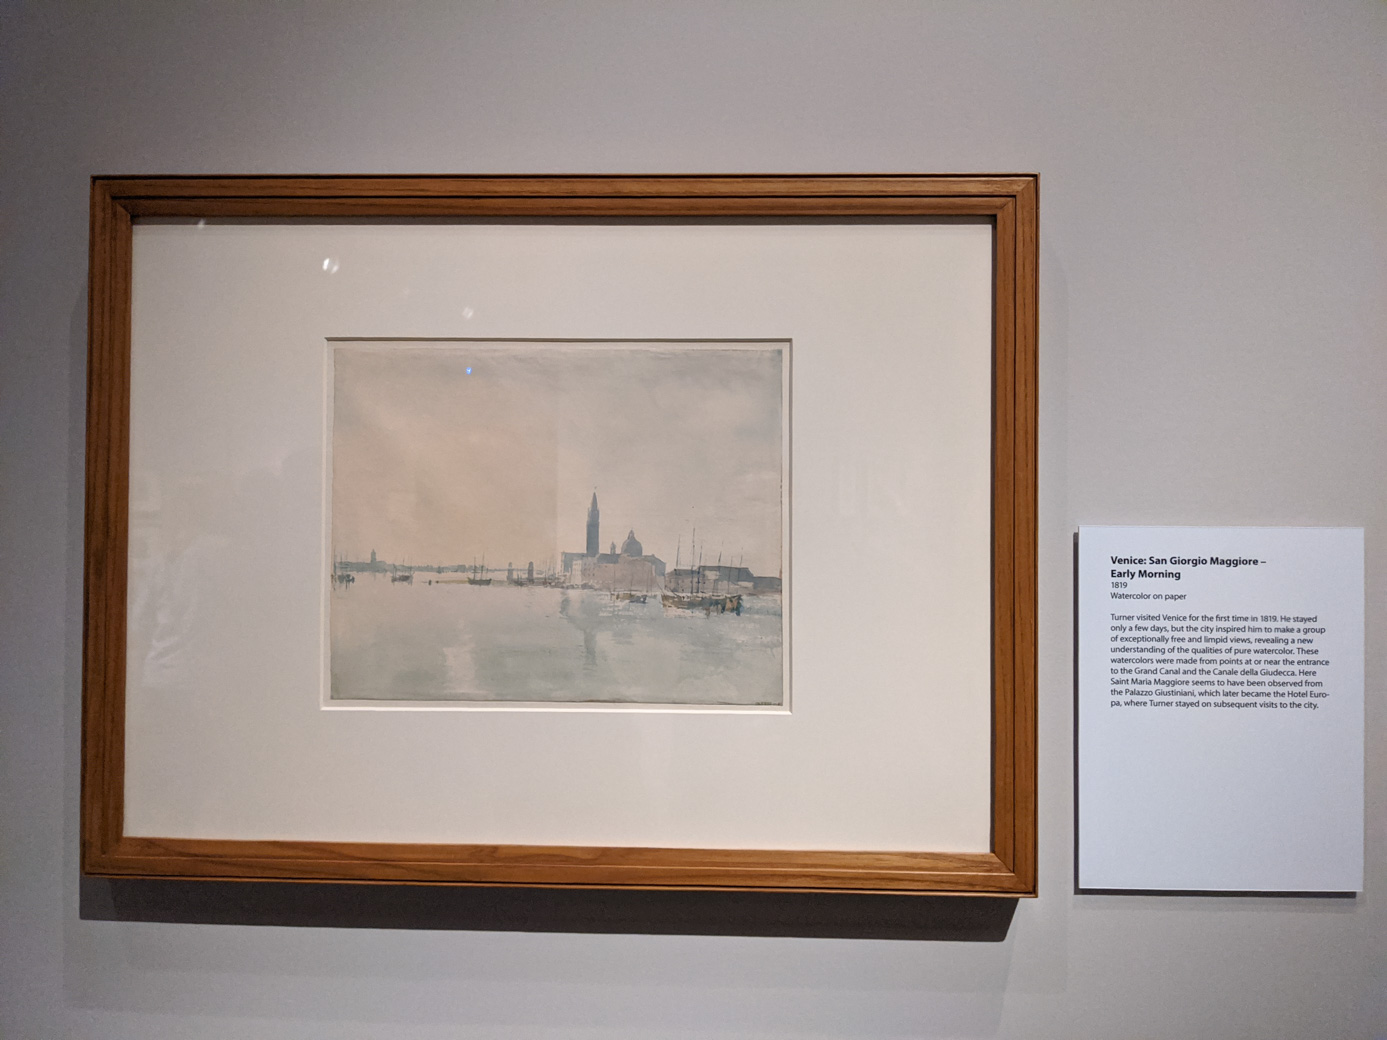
{"x": 558, "y": 523}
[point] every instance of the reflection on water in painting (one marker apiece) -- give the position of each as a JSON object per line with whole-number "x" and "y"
{"x": 440, "y": 640}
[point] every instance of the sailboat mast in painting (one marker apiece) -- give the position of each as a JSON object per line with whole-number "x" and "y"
{"x": 475, "y": 484}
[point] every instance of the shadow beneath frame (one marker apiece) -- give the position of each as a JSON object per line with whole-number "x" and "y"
{"x": 464, "y": 908}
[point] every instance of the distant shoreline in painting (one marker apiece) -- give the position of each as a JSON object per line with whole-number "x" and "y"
{"x": 556, "y": 523}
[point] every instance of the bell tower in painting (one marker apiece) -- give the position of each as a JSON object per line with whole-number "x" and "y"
{"x": 593, "y": 546}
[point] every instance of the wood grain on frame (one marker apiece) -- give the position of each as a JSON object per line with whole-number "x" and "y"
{"x": 1009, "y": 201}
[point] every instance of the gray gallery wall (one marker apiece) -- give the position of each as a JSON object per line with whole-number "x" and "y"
{"x": 1213, "y": 307}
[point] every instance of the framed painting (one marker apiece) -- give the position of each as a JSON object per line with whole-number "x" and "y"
{"x": 656, "y": 532}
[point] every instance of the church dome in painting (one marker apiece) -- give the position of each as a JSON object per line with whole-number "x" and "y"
{"x": 631, "y": 547}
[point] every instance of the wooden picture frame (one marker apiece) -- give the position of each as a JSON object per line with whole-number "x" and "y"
{"x": 1007, "y": 203}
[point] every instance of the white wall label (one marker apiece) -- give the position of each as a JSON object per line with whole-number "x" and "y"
{"x": 1220, "y": 716}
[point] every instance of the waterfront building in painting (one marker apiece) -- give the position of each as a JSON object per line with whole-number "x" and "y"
{"x": 593, "y": 545}
{"x": 626, "y": 570}
{"x": 719, "y": 578}
{"x": 616, "y": 572}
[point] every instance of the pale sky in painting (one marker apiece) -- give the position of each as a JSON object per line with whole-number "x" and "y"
{"x": 435, "y": 464}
